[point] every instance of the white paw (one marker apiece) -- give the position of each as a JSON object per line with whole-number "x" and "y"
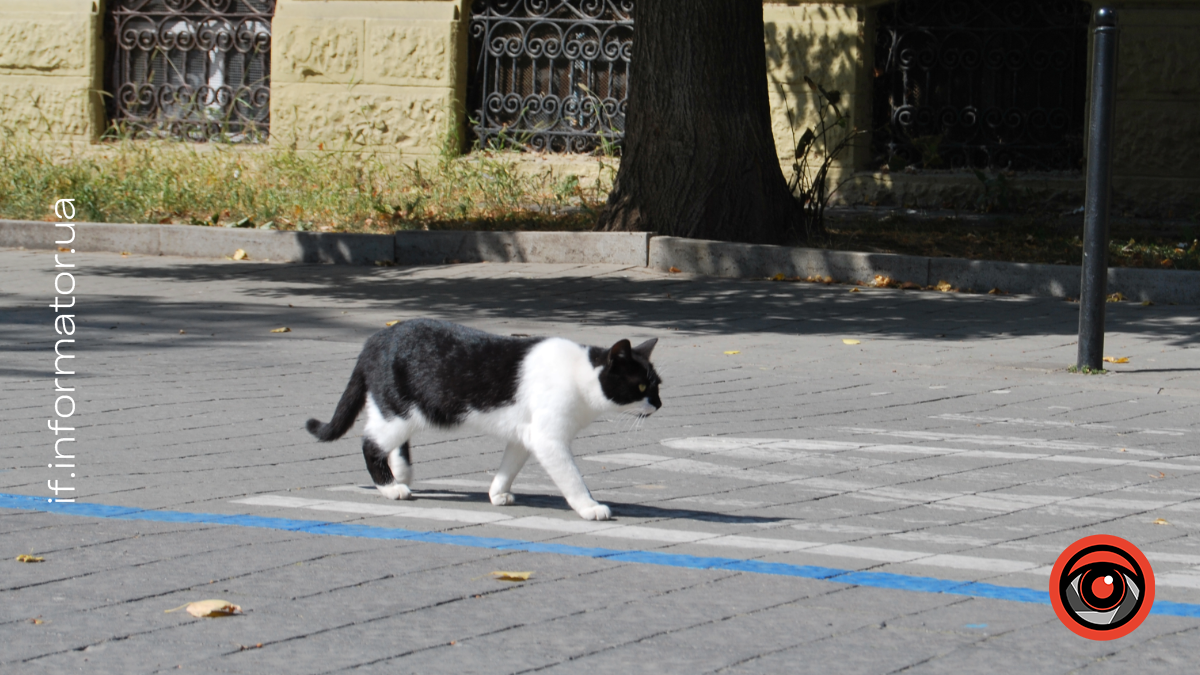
{"x": 504, "y": 499}
{"x": 595, "y": 512}
{"x": 395, "y": 491}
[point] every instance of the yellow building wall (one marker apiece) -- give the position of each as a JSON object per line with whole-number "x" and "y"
{"x": 391, "y": 75}
{"x": 50, "y": 68}
{"x": 367, "y": 74}
{"x": 1156, "y": 152}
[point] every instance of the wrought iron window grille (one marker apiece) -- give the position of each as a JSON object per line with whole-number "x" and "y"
{"x": 195, "y": 70}
{"x": 550, "y": 75}
{"x": 997, "y": 84}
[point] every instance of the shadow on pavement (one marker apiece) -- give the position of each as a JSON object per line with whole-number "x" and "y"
{"x": 714, "y": 306}
{"x": 619, "y": 509}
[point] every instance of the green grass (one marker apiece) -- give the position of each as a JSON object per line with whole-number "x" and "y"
{"x": 281, "y": 188}
{"x": 334, "y": 191}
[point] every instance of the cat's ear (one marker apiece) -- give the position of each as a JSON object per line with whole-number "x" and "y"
{"x": 645, "y": 348}
{"x": 621, "y": 350}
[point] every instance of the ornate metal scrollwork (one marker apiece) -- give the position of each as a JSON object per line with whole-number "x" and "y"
{"x": 981, "y": 84}
{"x": 550, "y": 75}
{"x": 196, "y": 70}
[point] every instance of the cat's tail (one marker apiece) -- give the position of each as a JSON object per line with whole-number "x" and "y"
{"x": 347, "y": 410}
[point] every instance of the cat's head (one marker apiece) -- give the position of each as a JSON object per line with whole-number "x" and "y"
{"x": 628, "y": 378}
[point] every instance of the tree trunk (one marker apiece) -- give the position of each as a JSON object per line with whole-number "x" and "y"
{"x": 698, "y": 159}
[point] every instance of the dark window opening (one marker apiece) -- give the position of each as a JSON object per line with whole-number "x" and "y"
{"x": 996, "y": 84}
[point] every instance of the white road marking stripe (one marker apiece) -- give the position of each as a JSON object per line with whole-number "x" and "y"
{"x": 755, "y": 444}
{"x": 670, "y": 536}
{"x": 689, "y": 466}
{"x": 1178, "y": 579}
{"x": 716, "y": 443}
{"x": 1053, "y": 423}
{"x": 428, "y": 513}
{"x": 977, "y": 439}
{"x": 559, "y": 525}
{"x": 485, "y": 484}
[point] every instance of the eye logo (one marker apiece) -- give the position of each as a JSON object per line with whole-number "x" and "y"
{"x": 1102, "y": 587}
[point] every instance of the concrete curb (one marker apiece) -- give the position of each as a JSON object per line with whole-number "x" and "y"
{"x": 442, "y": 246}
{"x": 722, "y": 259}
{"x": 633, "y": 249}
{"x": 403, "y": 248}
{"x": 202, "y": 242}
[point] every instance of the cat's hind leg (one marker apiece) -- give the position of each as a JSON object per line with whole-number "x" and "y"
{"x": 386, "y": 450}
{"x": 514, "y": 458}
{"x": 379, "y": 466}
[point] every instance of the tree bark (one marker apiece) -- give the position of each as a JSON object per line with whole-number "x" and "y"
{"x": 698, "y": 158}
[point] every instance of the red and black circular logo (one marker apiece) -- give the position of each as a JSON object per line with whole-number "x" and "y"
{"x": 1102, "y": 587}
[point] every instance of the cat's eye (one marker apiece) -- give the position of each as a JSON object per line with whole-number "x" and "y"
{"x": 641, "y": 387}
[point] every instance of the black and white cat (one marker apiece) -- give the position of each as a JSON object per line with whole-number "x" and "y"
{"x": 536, "y": 394}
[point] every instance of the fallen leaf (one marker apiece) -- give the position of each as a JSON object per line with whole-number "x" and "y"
{"x": 848, "y": 341}
{"x": 36, "y": 622}
{"x": 944, "y": 286}
{"x": 183, "y": 332}
{"x": 1115, "y": 359}
{"x": 1161, "y": 521}
{"x": 125, "y": 253}
{"x": 208, "y": 608}
{"x": 777, "y": 277}
{"x": 239, "y": 254}
{"x": 511, "y": 576}
{"x": 284, "y": 329}
{"x": 674, "y": 270}
{"x": 732, "y": 352}
{"x": 25, "y": 557}
{"x": 1122, "y": 449}
{"x": 855, "y": 290}
{"x": 1146, "y": 303}
{"x": 827, "y": 280}
{"x": 392, "y": 323}
{"x": 883, "y": 282}
{"x": 910, "y": 286}
{"x": 64, "y": 249}
{"x": 1115, "y": 297}
{"x": 996, "y": 291}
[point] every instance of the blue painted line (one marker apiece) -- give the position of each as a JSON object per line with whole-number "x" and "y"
{"x": 869, "y": 579}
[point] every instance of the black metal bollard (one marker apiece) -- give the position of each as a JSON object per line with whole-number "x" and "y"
{"x": 1094, "y": 284}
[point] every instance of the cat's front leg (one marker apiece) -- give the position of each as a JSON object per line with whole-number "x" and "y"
{"x": 514, "y": 458}
{"x": 555, "y": 457}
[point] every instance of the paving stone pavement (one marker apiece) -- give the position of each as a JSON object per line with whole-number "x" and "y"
{"x": 949, "y": 443}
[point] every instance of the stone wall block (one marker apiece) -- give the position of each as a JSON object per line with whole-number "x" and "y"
{"x": 806, "y": 116}
{"x": 826, "y": 52}
{"x": 329, "y": 50}
{"x": 417, "y": 53}
{"x": 45, "y": 108}
{"x": 1159, "y": 62}
{"x": 410, "y": 119}
{"x": 1157, "y": 138}
{"x": 57, "y": 46}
